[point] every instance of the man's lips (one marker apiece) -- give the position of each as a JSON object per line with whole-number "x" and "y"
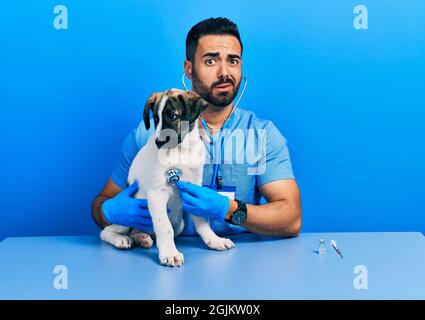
{"x": 223, "y": 86}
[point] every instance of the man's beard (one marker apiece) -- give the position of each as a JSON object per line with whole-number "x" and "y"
{"x": 219, "y": 99}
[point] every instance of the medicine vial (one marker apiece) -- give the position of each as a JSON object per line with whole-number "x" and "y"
{"x": 322, "y": 247}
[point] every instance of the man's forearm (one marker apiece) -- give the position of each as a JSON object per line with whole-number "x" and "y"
{"x": 97, "y": 213}
{"x": 278, "y": 218}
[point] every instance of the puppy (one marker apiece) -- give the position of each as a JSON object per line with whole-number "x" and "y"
{"x": 176, "y": 144}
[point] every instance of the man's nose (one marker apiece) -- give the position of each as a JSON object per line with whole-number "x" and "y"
{"x": 223, "y": 71}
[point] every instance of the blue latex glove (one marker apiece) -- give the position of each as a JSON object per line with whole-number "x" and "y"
{"x": 127, "y": 211}
{"x": 202, "y": 201}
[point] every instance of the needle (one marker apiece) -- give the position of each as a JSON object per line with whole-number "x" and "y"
{"x": 333, "y": 243}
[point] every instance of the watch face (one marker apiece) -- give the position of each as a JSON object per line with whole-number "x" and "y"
{"x": 239, "y": 217}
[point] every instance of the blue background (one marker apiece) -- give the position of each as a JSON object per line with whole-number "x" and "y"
{"x": 350, "y": 102}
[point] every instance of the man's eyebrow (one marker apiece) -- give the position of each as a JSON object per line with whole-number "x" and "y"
{"x": 211, "y": 54}
{"x": 233, "y": 56}
{"x": 216, "y": 54}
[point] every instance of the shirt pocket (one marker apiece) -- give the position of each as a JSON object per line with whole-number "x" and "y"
{"x": 243, "y": 177}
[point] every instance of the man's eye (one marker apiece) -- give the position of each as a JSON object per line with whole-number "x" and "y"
{"x": 210, "y": 62}
{"x": 234, "y": 61}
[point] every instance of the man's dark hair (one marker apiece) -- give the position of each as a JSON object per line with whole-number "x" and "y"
{"x": 214, "y": 26}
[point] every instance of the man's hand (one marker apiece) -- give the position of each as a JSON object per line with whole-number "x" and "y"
{"x": 202, "y": 201}
{"x": 127, "y": 211}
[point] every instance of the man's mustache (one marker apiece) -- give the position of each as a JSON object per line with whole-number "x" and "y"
{"x": 223, "y": 81}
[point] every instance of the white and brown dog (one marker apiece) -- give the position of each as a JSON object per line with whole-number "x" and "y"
{"x": 176, "y": 144}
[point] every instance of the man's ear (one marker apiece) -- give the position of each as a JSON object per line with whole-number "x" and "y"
{"x": 150, "y": 104}
{"x": 188, "y": 69}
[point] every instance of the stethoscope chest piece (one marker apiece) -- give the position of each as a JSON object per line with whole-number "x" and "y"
{"x": 173, "y": 175}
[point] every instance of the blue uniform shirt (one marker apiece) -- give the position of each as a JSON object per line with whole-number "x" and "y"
{"x": 247, "y": 153}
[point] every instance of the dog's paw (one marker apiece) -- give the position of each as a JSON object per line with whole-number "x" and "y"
{"x": 122, "y": 242}
{"x": 218, "y": 243}
{"x": 142, "y": 239}
{"x": 172, "y": 258}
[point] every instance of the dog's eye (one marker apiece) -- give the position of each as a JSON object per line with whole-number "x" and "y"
{"x": 171, "y": 116}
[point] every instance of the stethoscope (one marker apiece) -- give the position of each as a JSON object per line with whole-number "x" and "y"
{"x": 173, "y": 175}
{"x": 216, "y": 176}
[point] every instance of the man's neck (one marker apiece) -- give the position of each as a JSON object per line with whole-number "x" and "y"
{"x": 215, "y": 116}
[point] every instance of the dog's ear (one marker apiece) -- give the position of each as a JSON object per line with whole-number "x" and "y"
{"x": 150, "y": 104}
{"x": 198, "y": 104}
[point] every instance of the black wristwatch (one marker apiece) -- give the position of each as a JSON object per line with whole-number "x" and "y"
{"x": 239, "y": 216}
